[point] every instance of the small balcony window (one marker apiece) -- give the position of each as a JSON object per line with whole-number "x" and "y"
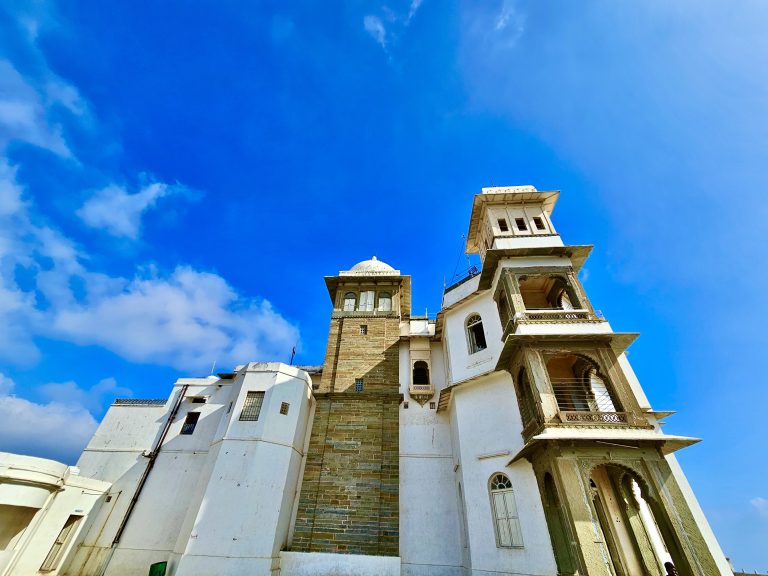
{"x": 521, "y": 225}
{"x": 503, "y": 225}
{"x": 350, "y": 300}
{"x": 475, "y": 334}
{"x": 539, "y": 223}
{"x": 420, "y": 372}
{"x": 545, "y": 293}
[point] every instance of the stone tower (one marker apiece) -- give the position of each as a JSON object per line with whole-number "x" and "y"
{"x": 349, "y": 500}
{"x": 615, "y": 501}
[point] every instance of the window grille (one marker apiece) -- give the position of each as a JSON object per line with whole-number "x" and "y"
{"x": 506, "y": 520}
{"x": 284, "y": 408}
{"x": 432, "y": 405}
{"x": 363, "y": 329}
{"x": 56, "y": 552}
{"x": 539, "y": 223}
{"x": 190, "y": 422}
{"x": 520, "y": 222}
{"x": 358, "y": 384}
{"x": 252, "y": 406}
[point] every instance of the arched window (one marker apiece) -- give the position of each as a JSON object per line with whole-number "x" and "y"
{"x": 349, "y": 302}
{"x": 601, "y": 400}
{"x": 506, "y": 522}
{"x": 475, "y": 334}
{"x": 565, "y": 301}
{"x": 385, "y": 302}
{"x": 420, "y": 372}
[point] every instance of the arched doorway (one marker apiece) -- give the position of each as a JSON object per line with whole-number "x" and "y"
{"x": 637, "y": 540}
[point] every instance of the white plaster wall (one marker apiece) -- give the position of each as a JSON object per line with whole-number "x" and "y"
{"x": 117, "y": 452}
{"x": 461, "y": 291}
{"x": 488, "y": 419}
{"x": 563, "y": 328}
{"x": 504, "y": 242}
{"x": 319, "y": 564}
{"x": 254, "y": 478}
{"x": 52, "y": 492}
{"x": 464, "y": 365}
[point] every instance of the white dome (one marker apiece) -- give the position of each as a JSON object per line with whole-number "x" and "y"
{"x": 372, "y": 267}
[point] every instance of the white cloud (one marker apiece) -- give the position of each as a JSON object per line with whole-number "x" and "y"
{"x": 117, "y": 211}
{"x": 92, "y": 399}
{"x": 761, "y": 505}
{"x": 187, "y": 320}
{"x": 415, "y": 4}
{"x": 24, "y": 114}
{"x": 56, "y": 429}
{"x": 375, "y": 27}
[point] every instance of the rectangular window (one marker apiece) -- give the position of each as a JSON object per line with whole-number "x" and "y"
{"x": 60, "y": 545}
{"x": 508, "y": 533}
{"x": 363, "y": 329}
{"x": 539, "y": 223}
{"x": 405, "y": 405}
{"x": 190, "y": 422}
{"x": 520, "y": 222}
{"x": 503, "y": 225}
{"x": 252, "y": 406}
{"x": 366, "y": 301}
{"x": 284, "y": 408}
{"x": 358, "y": 384}
{"x": 432, "y": 405}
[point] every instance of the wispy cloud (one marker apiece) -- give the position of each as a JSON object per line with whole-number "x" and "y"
{"x": 415, "y": 5}
{"x": 118, "y": 211}
{"x": 375, "y": 27}
{"x": 761, "y": 505}
{"x": 396, "y": 24}
{"x": 24, "y": 111}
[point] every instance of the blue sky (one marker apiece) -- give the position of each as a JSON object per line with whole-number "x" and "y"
{"x": 176, "y": 178}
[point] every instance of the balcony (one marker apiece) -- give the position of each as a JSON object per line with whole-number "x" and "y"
{"x": 589, "y": 403}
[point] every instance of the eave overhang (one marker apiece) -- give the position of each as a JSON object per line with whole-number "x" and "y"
{"x": 577, "y": 254}
{"x": 616, "y": 437}
{"x": 618, "y": 341}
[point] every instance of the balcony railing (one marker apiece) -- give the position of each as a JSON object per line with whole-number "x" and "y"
{"x": 589, "y": 402}
{"x": 421, "y": 390}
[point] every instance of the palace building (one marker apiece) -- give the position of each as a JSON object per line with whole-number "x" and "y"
{"x": 508, "y": 436}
